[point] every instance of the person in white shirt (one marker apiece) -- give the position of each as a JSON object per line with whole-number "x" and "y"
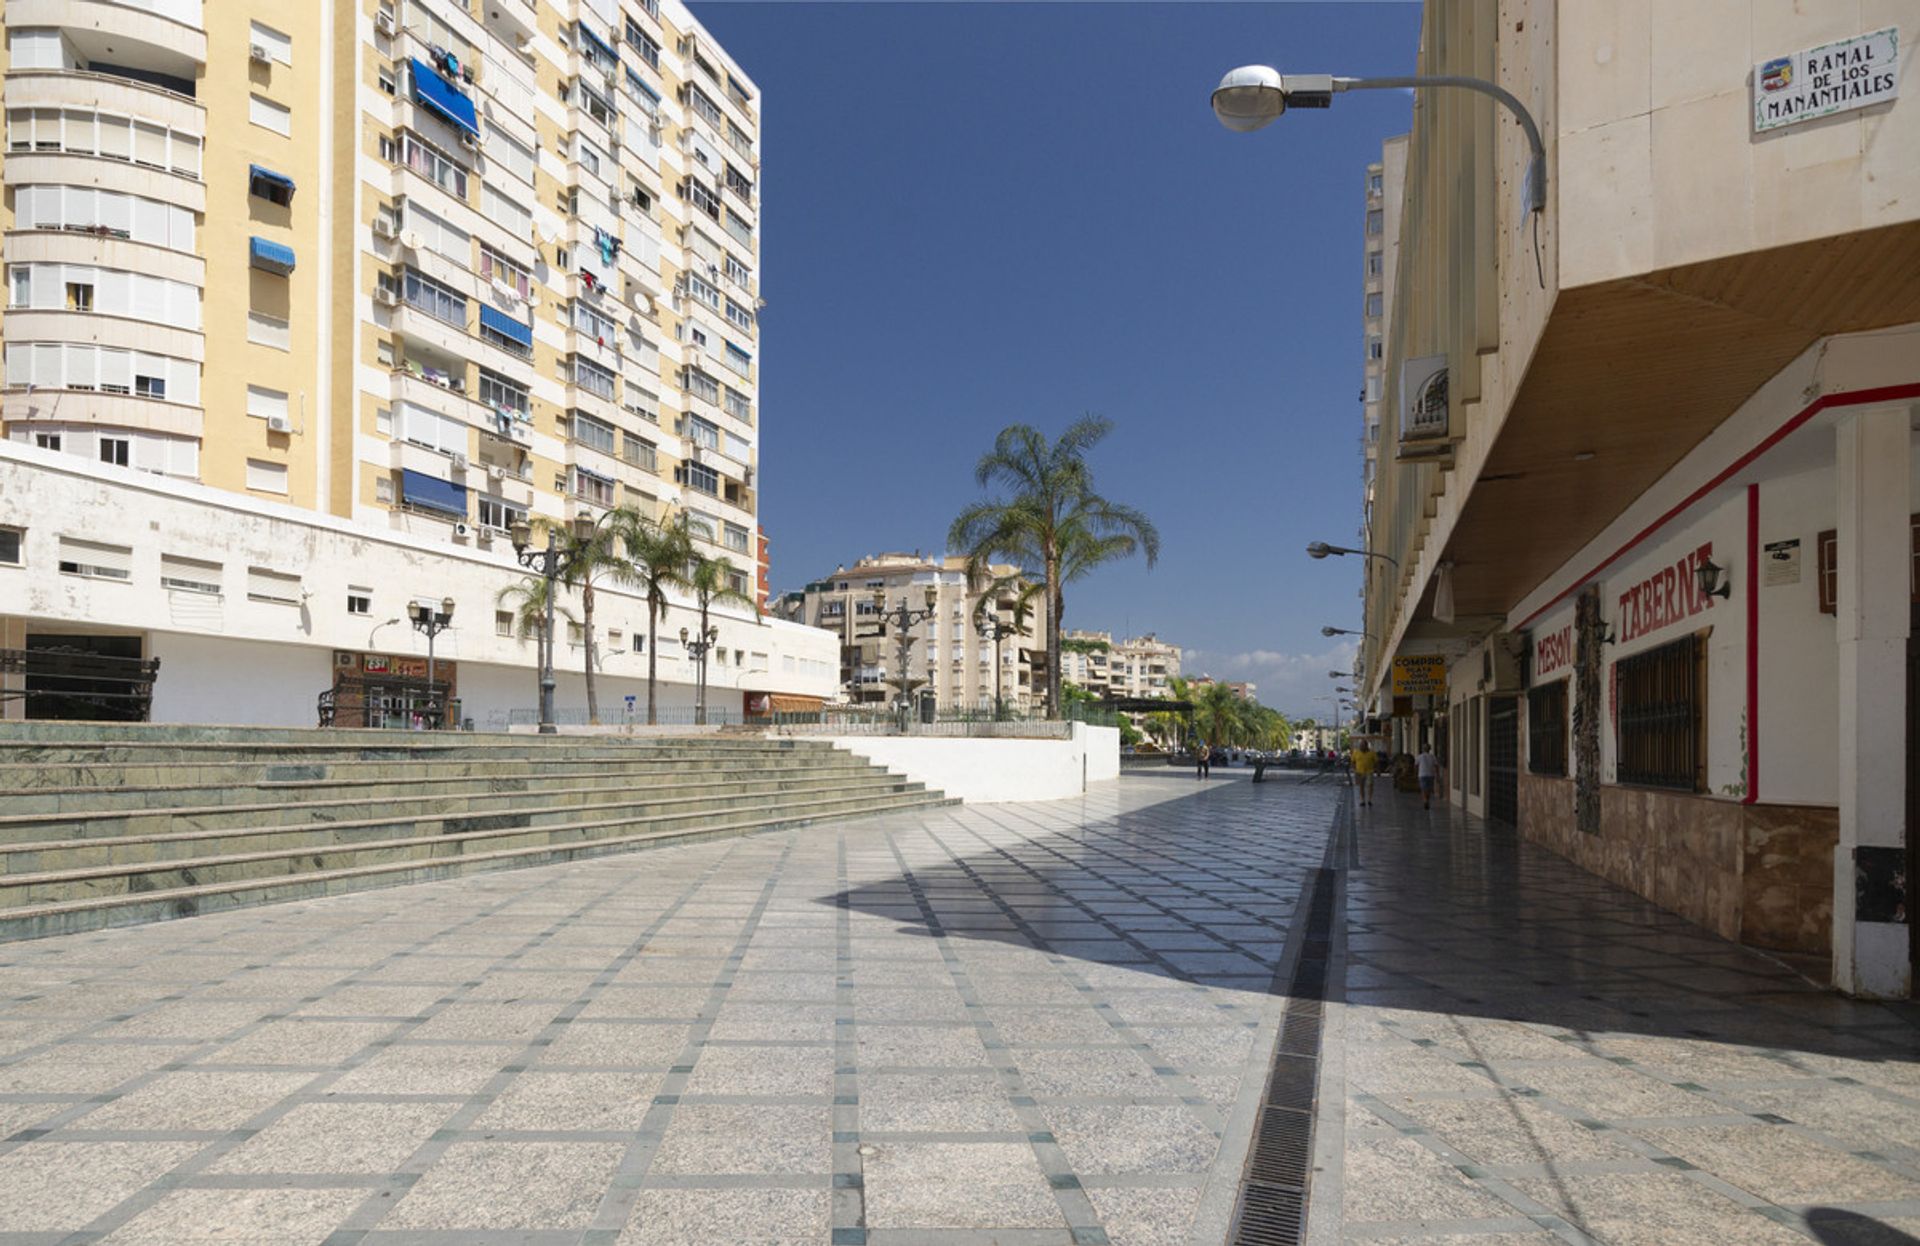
{"x": 1428, "y": 766}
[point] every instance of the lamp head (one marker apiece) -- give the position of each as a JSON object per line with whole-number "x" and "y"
{"x": 1319, "y": 549}
{"x": 1713, "y": 579}
{"x": 933, "y": 595}
{"x": 583, "y": 526}
{"x": 446, "y": 608}
{"x": 521, "y": 534}
{"x": 683, "y": 635}
{"x": 1249, "y": 98}
{"x": 414, "y": 609}
{"x": 1329, "y": 631}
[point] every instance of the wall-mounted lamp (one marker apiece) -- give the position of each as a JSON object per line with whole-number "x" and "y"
{"x": 1714, "y": 581}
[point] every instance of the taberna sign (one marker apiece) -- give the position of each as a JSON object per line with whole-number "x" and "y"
{"x": 1835, "y": 77}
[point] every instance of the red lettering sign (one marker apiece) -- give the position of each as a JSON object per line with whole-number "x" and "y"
{"x": 1668, "y": 596}
{"x": 1553, "y": 652}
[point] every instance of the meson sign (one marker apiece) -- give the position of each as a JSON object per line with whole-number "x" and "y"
{"x": 1553, "y": 651}
{"x": 1665, "y": 597}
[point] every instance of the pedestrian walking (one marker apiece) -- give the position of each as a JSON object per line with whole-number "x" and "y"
{"x": 1365, "y": 761}
{"x": 1203, "y": 761}
{"x": 1427, "y": 765}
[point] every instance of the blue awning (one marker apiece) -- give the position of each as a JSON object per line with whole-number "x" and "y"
{"x": 638, "y": 83}
{"x": 258, "y": 177}
{"x": 606, "y": 48}
{"x": 442, "y": 98}
{"x": 273, "y": 257}
{"x": 432, "y": 493}
{"x": 506, "y": 326}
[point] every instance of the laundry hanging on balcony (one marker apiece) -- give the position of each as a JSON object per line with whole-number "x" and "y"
{"x": 442, "y": 98}
{"x": 607, "y": 244}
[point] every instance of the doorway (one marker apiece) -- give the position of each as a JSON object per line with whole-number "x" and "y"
{"x": 1913, "y": 772}
{"x": 1503, "y": 759}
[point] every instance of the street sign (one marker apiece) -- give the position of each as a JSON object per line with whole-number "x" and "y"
{"x": 1834, "y": 77}
{"x": 1423, "y": 674}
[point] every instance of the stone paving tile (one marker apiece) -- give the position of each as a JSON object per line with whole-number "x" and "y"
{"x": 1530, "y": 1049}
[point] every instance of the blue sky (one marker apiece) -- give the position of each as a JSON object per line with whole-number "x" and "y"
{"x": 976, "y": 214}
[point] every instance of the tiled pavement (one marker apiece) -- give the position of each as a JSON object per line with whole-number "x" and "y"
{"x": 1532, "y": 1056}
{"x": 1017, "y": 1024}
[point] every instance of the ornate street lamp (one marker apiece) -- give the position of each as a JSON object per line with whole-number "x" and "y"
{"x": 430, "y": 622}
{"x": 902, "y": 617}
{"x": 995, "y": 630}
{"x": 699, "y": 644}
{"x": 550, "y": 564}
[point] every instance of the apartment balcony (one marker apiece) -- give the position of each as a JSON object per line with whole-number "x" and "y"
{"x": 431, "y": 462}
{"x": 100, "y": 329}
{"x": 24, "y": 168}
{"x": 443, "y": 337}
{"x": 85, "y": 406}
{"x": 83, "y": 246}
{"x": 168, "y": 36}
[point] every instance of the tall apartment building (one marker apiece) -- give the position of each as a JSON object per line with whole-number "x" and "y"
{"x": 310, "y": 303}
{"x": 1136, "y": 667}
{"x": 1656, "y": 519}
{"x": 949, "y": 654}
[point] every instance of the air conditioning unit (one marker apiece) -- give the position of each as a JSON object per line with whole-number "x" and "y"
{"x": 469, "y": 141}
{"x": 496, "y": 473}
{"x": 279, "y": 424}
{"x": 383, "y": 22}
{"x": 383, "y": 227}
{"x": 386, "y": 296}
{"x": 459, "y": 461}
{"x": 259, "y": 55}
{"x": 460, "y": 531}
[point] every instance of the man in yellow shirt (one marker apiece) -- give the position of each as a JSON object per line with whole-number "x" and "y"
{"x": 1365, "y": 761}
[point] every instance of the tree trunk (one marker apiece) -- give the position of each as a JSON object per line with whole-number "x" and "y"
{"x": 653, "y": 660}
{"x": 586, "y": 611}
{"x": 1053, "y": 636}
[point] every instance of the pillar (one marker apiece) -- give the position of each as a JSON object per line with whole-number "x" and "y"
{"x": 1870, "y": 950}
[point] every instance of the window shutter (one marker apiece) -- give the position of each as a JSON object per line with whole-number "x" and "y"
{"x": 273, "y": 586}
{"x": 112, "y": 562}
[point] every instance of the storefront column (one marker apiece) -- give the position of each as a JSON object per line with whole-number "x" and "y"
{"x": 1870, "y": 950}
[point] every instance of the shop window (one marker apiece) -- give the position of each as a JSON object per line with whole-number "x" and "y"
{"x": 1547, "y": 728}
{"x": 1662, "y": 715}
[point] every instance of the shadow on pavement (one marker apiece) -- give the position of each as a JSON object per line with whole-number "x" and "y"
{"x": 1445, "y": 914}
{"x": 1834, "y": 1227}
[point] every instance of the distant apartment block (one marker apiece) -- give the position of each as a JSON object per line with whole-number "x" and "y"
{"x": 1136, "y": 667}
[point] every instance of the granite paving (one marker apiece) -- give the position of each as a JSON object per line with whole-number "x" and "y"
{"x": 1024, "y": 1024}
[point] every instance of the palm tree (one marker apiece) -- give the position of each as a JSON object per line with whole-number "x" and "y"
{"x": 527, "y": 599}
{"x": 588, "y": 557}
{"x": 656, "y": 559}
{"x": 1052, "y": 519}
{"x": 1217, "y": 715}
{"x": 711, "y": 581}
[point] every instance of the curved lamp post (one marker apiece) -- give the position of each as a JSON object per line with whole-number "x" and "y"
{"x": 1320, "y": 549}
{"x": 1254, "y": 96}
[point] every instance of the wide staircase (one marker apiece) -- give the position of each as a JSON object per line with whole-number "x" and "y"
{"x": 110, "y": 825}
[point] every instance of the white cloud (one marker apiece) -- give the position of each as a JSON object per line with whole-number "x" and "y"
{"x": 1290, "y": 682}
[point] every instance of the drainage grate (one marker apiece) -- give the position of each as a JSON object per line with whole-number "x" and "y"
{"x": 1273, "y": 1190}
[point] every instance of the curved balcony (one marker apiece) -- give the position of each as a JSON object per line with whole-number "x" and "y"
{"x": 65, "y": 246}
{"x": 101, "y": 329}
{"x": 86, "y": 406}
{"x": 76, "y": 88}
{"x": 31, "y": 168}
{"x": 174, "y": 29}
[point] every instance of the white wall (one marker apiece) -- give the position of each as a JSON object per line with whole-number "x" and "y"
{"x": 229, "y": 641}
{"x": 984, "y": 771}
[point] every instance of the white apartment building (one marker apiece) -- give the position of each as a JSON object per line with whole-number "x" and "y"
{"x": 309, "y": 304}
{"x": 951, "y": 654}
{"x": 1136, "y": 667}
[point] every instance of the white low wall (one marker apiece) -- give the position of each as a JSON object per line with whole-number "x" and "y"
{"x": 981, "y": 771}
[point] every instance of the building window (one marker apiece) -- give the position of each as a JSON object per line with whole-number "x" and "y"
{"x": 269, "y": 115}
{"x": 1375, "y": 350}
{"x": 593, "y": 378}
{"x": 359, "y": 601}
{"x": 639, "y": 452}
{"x": 1376, "y": 221}
{"x": 1374, "y": 304}
{"x": 591, "y": 488}
{"x": 698, "y": 476}
{"x": 436, "y": 300}
{"x": 500, "y": 515}
{"x": 275, "y": 587}
{"x": 1662, "y": 713}
{"x": 504, "y": 395}
{"x": 267, "y": 477}
{"x": 592, "y": 433}
{"x": 94, "y": 560}
{"x": 1376, "y": 264}
{"x": 701, "y": 432}
{"x": 1547, "y": 728}
{"x": 736, "y": 538}
{"x": 503, "y": 622}
{"x": 10, "y": 541}
{"x": 116, "y": 450}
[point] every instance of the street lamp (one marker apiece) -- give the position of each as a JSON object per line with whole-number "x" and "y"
{"x": 1253, "y": 96}
{"x": 430, "y": 623}
{"x": 699, "y": 645}
{"x": 1345, "y": 631}
{"x": 997, "y": 629}
{"x": 1320, "y": 549}
{"x": 902, "y": 617}
{"x": 550, "y": 564}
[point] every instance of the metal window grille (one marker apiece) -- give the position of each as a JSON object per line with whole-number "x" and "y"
{"x": 1547, "y": 728}
{"x": 1662, "y": 710}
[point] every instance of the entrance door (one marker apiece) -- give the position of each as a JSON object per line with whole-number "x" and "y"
{"x": 1503, "y": 759}
{"x": 1913, "y": 774}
